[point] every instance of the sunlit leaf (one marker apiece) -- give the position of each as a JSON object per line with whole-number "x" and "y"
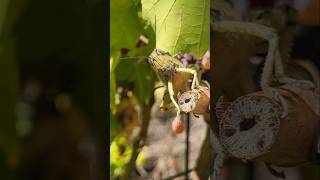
{"x": 120, "y": 154}
{"x": 125, "y": 27}
{"x": 181, "y": 25}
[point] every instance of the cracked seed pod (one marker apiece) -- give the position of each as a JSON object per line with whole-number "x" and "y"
{"x": 249, "y": 126}
{"x": 252, "y": 128}
{"x": 196, "y": 100}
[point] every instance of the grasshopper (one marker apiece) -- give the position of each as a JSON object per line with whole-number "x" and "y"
{"x": 173, "y": 74}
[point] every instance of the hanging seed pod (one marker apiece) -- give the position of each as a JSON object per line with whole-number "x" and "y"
{"x": 253, "y": 128}
{"x": 196, "y": 100}
{"x": 177, "y": 125}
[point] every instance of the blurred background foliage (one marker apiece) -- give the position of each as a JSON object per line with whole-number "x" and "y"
{"x": 52, "y": 84}
{"x": 130, "y": 79}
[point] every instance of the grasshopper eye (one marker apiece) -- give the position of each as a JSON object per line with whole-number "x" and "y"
{"x": 158, "y": 51}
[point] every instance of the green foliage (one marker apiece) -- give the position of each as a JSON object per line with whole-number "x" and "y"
{"x": 114, "y": 60}
{"x": 120, "y": 154}
{"x": 140, "y": 74}
{"x": 115, "y": 127}
{"x": 144, "y": 82}
{"x": 182, "y": 25}
{"x": 125, "y": 26}
{"x": 125, "y": 29}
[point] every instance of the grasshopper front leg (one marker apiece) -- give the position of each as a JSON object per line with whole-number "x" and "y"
{"x": 195, "y": 81}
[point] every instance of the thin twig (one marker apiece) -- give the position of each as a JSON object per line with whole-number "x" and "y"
{"x": 187, "y": 146}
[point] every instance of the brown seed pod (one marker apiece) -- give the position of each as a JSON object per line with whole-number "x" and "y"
{"x": 249, "y": 126}
{"x": 196, "y": 100}
{"x": 253, "y": 128}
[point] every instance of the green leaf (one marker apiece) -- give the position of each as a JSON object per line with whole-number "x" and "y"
{"x": 120, "y": 154}
{"x": 112, "y": 92}
{"x": 181, "y": 25}
{"x": 115, "y": 127}
{"x": 144, "y": 83}
{"x": 125, "y": 27}
{"x": 114, "y": 60}
{"x": 125, "y": 70}
{"x": 140, "y": 74}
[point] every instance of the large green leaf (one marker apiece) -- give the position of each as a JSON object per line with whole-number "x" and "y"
{"x": 125, "y": 27}
{"x": 181, "y": 25}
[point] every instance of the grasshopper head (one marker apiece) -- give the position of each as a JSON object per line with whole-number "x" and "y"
{"x": 163, "y": 64}
{"x": 159, "y": 60}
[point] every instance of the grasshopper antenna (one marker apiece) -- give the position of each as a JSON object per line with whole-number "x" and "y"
{"x": 133, "y": 58}
{"x": 155, "y": 28}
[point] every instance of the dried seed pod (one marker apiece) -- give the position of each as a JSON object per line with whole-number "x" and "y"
{"x": 252, "y": 128}
{"x": 188, "y": 100}
{"x": 249, "y": 126}
{"x": 196, "y": 100}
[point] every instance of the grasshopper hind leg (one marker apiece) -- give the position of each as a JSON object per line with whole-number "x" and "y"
{"x": 165, "y": 104}
{"x": 171, "y": 93}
